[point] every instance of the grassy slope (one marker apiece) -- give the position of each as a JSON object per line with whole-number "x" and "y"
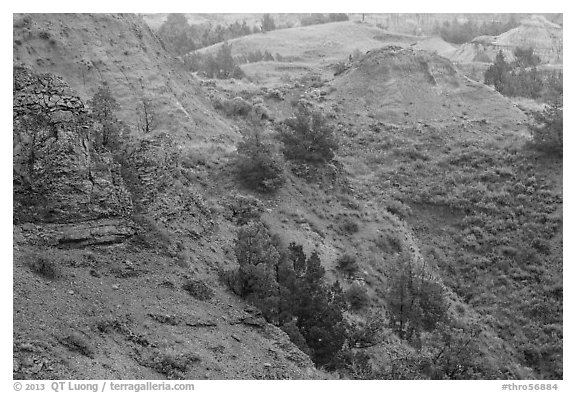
{"x": 327, "y": 41}
{"x": 485, "y": 210}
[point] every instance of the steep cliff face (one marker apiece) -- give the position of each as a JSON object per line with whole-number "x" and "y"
{"x": 59, "y": 176}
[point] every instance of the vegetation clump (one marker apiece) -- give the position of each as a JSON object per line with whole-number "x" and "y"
{"x": 257, "y": 165}
{"x": 289, "y": 288}
{"x": 521, "y": 77}
{"x": 198, "y": 290}
{"x": 547, "y": 130}
{"x": 43, "y": 266}
{"x": 110, "y": 131}
{"x": 221, "y": 66}
{"x": 307, "y": 137}
{"x": 357, "y": 297}
{"x": 347, "y": 264}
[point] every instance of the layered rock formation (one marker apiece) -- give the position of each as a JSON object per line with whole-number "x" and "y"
{"x": 59, "y": 176}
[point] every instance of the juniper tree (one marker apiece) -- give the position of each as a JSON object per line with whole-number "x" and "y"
{"x": 257, "y": 165}
{"x": 307, "y": 137}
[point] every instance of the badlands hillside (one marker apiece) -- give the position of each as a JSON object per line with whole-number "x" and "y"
{"x": 431, "y": 237}
{"x": 537, "y": 32}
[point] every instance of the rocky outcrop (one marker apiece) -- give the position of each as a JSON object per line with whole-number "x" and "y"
{"x": 80, "y": 234}
{"x": 155, "y": 178}
{"x": 58, "y": 175}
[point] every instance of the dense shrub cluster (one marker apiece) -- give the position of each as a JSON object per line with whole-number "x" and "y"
{"x": 182, "y": 38}
{"x": 289, "y": 289}
{"x": 257, "y": 55}
{"x": 317, "y": 19}
{"x": 221, "y": 66}
{"x": 521, "y": 78}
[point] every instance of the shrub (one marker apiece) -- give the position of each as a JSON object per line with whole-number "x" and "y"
{"x": 357, "y": 297}
{"x": 307, "y": 137}
{"x": 547, "y": 132}
{"x": 171, "y": 364}
{"x": 398, "y": 208}
{"x": 257, "y": 166}
{"x": 198, "y": 290}
{"x": 347, "y": 264}
{"x": 236, "y": 106}
{"x": 44, "y": 35}
{"x": 350, "y": 226}
{"x": 415, "y": 302}
{"x": 43, "y": 266}
{"x": 245, "y": 208}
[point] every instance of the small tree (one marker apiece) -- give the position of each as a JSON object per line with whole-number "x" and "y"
{"x": 177, "y": 34}
{"x": 225, "y": 61}
{"x": 357, "y": 297}
{"x": 415, "y": 302}
{"x": 268, "y": 23}
{"x": 257, "y": 165}
{"x": 496, "y": 74}
{"x": 525, "y": 58}
{"x": 223, "y": 66}
{"x": 146, "y": 115}
{"x": 103, "y": 109}
{"x": 548, "y": 130}
{"x": 347, "y": 264}
{"x": 258, "y": 259}
{"x": 307, "y": 137}
{"x": 147, "y": 121}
